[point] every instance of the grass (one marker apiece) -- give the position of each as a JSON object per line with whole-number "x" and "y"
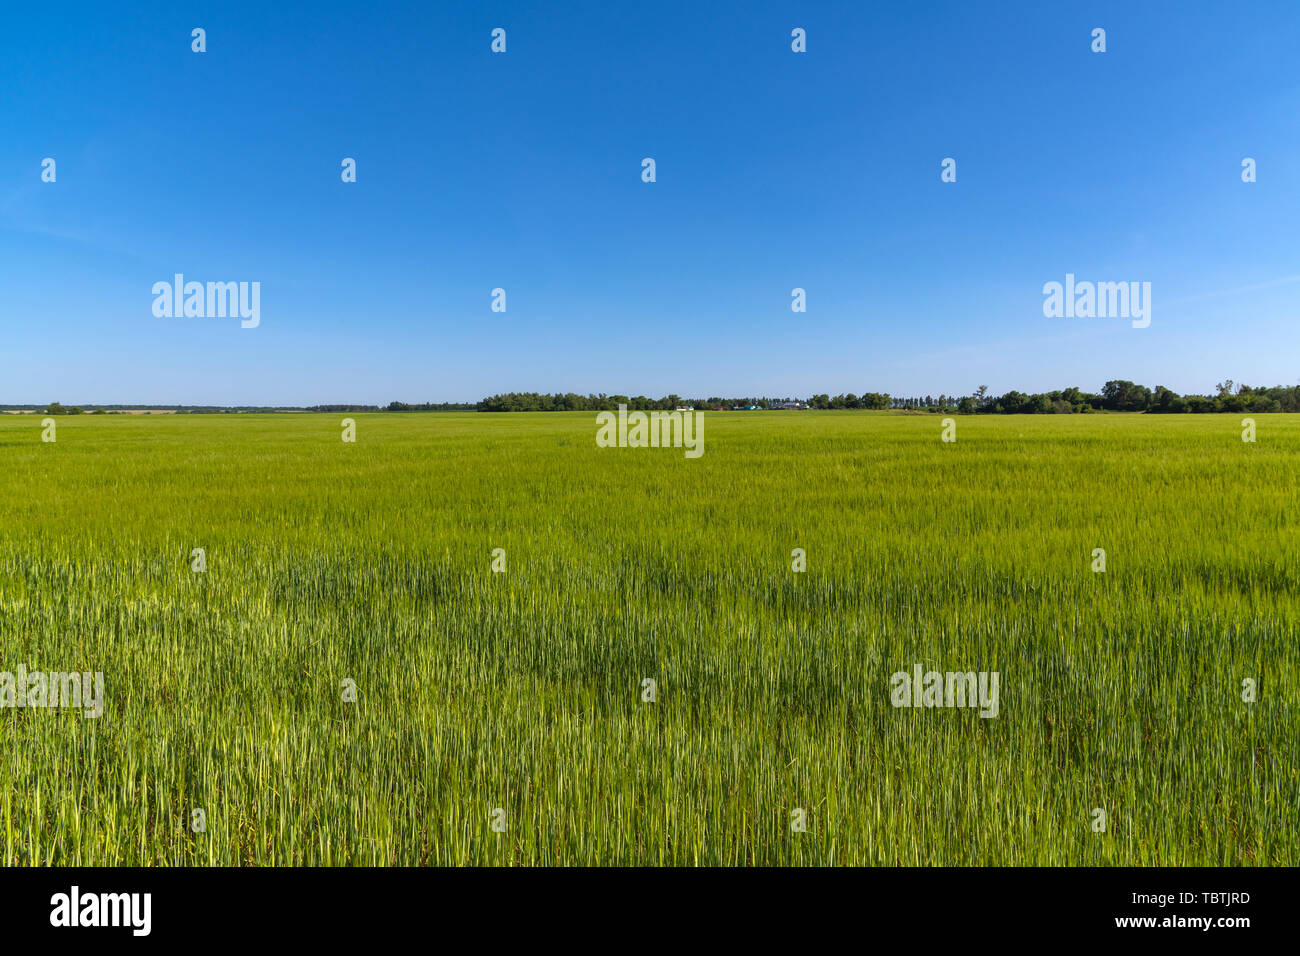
{"x": 522, "y": 691}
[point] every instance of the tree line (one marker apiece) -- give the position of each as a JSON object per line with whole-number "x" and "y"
{"x": 572, "y": 402}
{"x": 1117, "y": 395}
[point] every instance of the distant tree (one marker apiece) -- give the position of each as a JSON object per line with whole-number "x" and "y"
{"x": 1164, "y": 400}
{"x": 1124, "y": 396}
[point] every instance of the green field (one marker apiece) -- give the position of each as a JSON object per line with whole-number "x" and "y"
{"x": 522, "y": 690}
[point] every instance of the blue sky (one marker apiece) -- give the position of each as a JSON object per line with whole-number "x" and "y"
{"x": 522, "y": 170}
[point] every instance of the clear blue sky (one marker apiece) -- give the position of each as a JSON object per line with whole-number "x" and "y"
{"x": 775, "y": 170}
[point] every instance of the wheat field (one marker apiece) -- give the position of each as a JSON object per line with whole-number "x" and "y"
{"x": 350, "y": 682}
